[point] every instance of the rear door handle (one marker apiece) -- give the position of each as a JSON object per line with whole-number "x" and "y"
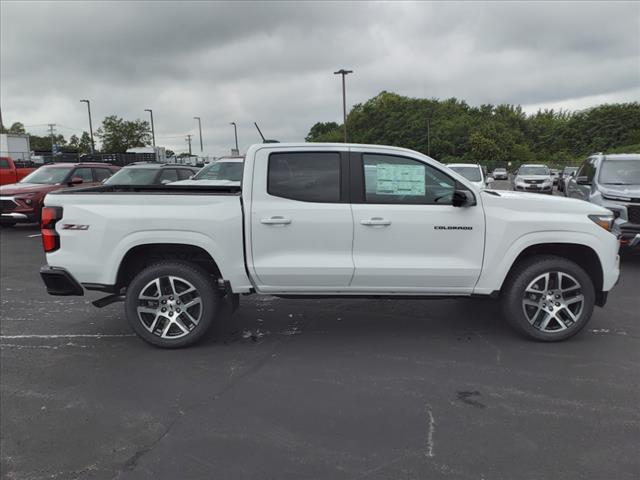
{"x": 277, "y": 220}
{"x": 375, "y": 222}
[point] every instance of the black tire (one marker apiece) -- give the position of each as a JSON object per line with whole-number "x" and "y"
{"x": 522, "y": 317}
{"x": 186, "y": 274}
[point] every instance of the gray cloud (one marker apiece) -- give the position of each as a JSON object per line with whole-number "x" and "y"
{"x": 273, "y": 62}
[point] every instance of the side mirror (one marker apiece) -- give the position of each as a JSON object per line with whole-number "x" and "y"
{"x": 572, "y": 174}
{"x": 191, "y": 177}
{"x": 76, "y": 181}
{"x": 489, "y": 180}
{"x": 462, "y": 198}
{"x": 583, "y": 180}
{"x": 165, "y": 181}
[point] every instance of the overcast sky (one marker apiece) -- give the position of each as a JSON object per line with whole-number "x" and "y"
{"x": 273, "y": 62}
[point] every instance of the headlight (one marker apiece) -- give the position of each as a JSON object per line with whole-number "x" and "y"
{"x": 604, "y": 221}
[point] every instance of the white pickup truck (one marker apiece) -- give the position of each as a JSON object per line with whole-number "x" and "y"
{"x": 329, "y": 220}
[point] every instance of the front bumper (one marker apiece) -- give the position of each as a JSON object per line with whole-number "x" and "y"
{"x": 536, "y": 188}
{"x": 60, "y": 282}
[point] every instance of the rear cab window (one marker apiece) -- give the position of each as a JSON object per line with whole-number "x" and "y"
{"x": 4, "y": 164}
{"x": 305, "y": 176}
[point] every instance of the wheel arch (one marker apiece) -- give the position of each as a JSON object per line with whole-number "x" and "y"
{"x": 141, "y": 256}
{"x": 583, "y": 255}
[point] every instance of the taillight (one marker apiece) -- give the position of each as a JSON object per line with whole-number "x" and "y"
{"x": 48, "y": 220}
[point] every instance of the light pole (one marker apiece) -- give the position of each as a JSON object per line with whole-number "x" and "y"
{"x": 93, "y": 146}
{"x": 235, "y": 131}
{"x": 200, "y": 129}
{"x": 153, "y": 132}
{"x": 189, "y": 140}
{"x": 344, "y": 73}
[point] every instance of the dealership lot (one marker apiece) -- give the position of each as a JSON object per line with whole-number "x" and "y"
{"x": 312, "y": 389}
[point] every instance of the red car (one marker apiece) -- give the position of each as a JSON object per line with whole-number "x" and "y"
{"x": 22, "y": 202}
{"x": 10, "y": 173}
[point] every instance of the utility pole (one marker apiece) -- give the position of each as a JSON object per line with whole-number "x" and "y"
{"x": 153, "y": 132}
{"x": 344, "y": 73}
{"x": 429, "y": 136}
{"x": 235, "y": 131}
{"x": 93, "y": 146}
{"x": 189, "y": 140}
{"x": 200, "y": 129}
{"x": 51, "y": 131}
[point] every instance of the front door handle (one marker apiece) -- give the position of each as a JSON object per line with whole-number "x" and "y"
{"x": 277, "y": 220}
{"x": 375, "y": 222}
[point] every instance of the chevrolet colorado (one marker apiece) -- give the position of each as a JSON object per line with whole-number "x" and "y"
{"x": 314, "y": 220}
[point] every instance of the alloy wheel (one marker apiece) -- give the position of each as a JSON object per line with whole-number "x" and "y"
{"x": 553, "y": 302}
{"x": 169, "y": 307}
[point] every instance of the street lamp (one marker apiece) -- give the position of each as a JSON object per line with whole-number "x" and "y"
{"x": 200, "y": 129}
{"x": 235, "y": 131}
{"x": 153, "y": 132}
{"x": 344, "y": 73}
{"x": 93, "y": 147}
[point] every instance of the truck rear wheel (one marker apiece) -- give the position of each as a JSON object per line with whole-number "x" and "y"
{"x": 171, "y": 304}
{"x": 548, "y": 298}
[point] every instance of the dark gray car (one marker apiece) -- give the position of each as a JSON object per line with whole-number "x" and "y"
{"x": 612, "y": 181}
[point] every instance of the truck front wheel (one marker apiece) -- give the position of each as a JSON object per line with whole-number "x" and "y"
{"x": 171, "y": 304}
{"x": 548, "y": 298}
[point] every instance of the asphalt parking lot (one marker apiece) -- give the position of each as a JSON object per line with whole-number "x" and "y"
{"x": 331, "y": 389}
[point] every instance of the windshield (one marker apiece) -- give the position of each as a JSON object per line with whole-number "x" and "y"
{"x": 500, "y": 170}
{"x": 533, "y": 170}
{"x": 47, "y": 176}
{"x": 570, "y": 170}
{"x": 221, "y": 171}
{"x": 620, "y": 172}
{"x": 133, "y": 176}
{"x": 470, "y": 173}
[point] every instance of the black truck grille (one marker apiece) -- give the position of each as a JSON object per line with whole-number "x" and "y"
{"x": 6, "y": 205}
{"x": 633, "y": 212}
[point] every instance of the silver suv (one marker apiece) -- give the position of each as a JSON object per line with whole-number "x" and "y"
{"x": 612, "y": 181}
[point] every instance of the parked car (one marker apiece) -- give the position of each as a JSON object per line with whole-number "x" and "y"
{"x": 472, "y": 172}
{"x": 533, "y": 178}
{"x": 151, "y": 173}
{"x": 565, "y": 175}
{"x": 612, "y": 181}
{"x": 328, "y": 220}
{"x": 225, "y": 171}
{"x": 10, "y": 172}
{"x": 555, "y": 174}
{"x": 501, "y": 174}
{"x": 22, "y": 202}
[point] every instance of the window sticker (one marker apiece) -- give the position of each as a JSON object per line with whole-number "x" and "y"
{"x": 399, "y": 179}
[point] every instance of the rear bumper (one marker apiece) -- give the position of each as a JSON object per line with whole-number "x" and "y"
{"x": 60, "y": 282}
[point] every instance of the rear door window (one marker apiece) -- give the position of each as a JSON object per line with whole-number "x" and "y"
{"x": 84, "y": 173}
{"x": 305, "y": 176}
{"x": 184, "y": 174}
{"x": 101, "y": 174}
{"x": 4, "y": 163}
{"x": 168, "y": 175}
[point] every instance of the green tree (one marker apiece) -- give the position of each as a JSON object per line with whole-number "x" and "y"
{"x": 83, "y": 144}
{"x": 325, "y": 132}
{"x": 117, "y": 135}
{"x": 17, "y": 128}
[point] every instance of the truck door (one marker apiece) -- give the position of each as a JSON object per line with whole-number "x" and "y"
{"x": 408, "y": 237}
{"x": 301, "y": 228}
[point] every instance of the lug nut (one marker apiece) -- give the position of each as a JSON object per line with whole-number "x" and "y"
{"x": 163, "y": 302}
{"x": 171, "y": 314}
{"x": 178, "y": 310}
{"x": 170, "y": 298}
{"x": 164, "y": 309}
{"x": 557, "y": 304}
{"x": 177, "y": 302}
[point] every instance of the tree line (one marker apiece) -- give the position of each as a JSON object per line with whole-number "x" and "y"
{"x": 115, "y": 135}
{"x": 494, "y": 135}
